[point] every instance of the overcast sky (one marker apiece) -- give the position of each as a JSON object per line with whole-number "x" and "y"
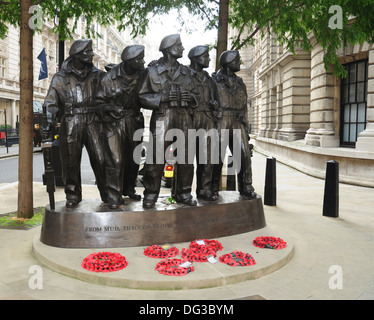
{"x": 161, "y": 27}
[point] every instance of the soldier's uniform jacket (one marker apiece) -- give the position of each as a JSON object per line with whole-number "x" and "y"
{"x": 159, "y": 82}
{"x": 72, "y": 93}
{"x": 207, "y": 93}
{"x": 232, "y": 96}
{"x": 119, "y": 91}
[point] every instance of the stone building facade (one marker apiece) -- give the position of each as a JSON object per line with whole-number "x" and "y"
{"x": 305, "y": 116}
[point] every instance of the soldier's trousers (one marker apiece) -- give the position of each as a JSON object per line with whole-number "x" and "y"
{"x": 78, "y": 131}
{"x": 207, "y": 151}
{"x": 160, "y": 125}
{"x": 121, "y": 166}
{"x": 242, "y": 162}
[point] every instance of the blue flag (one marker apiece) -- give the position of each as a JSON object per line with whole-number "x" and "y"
{"x": 43, "y": 67}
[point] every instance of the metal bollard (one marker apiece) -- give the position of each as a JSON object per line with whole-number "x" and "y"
{"x": 331, "y": 195}
{"x": 270, "y": 194}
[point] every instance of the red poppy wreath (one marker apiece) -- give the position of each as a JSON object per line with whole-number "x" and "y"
{"x": 238, "y": 258}
{"x": 104, "y": 262}
{"x": 270, "y": 243}
{"x": 199, "y": 250}
{"x": 172, "y": 267}
{"x": 155, "y": 251}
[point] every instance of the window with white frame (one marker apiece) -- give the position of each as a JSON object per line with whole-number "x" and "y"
{"x": 3, "y": 70}
{"x": 353, "y": 102}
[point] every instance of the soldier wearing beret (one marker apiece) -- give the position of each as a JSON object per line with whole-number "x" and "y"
{"x": 71, "y": 101}
{"x": 204, "y": 117}
{"x": 119, "y": 108}
{"x": 168, "y": 90}
{"x": 233, "y": 99}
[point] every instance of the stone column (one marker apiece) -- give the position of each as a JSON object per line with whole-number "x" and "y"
{"x": 264, "y": 114}
{"x": 322, "y": 104}
{"x": 279, "y": 112}
{"x": 272, "y": 96}
{"x": 14, "y": 114}
{"x": 296, "y": 98}
{"x": 257, "y": 114}
{"x": 365, "y": 141}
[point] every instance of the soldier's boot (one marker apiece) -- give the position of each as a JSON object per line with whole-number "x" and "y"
{"x": 114, "y": 194}
{"x": 73, "y": 195}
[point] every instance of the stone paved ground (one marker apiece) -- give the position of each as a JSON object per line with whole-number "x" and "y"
{"x": 322, "y": 247}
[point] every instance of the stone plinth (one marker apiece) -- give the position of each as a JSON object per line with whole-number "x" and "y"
{"x": 92, "y": 225}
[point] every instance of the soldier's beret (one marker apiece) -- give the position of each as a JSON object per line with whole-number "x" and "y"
{"x": 131, "y": 52}
{"x": 197, "y": 51}
{"x": 79, "y": 45}
{"x": 168, "y": 41}
{"x": 227, "y": 56}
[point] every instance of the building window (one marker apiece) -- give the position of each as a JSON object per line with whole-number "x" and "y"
{"x": 2, "y": 67}
{"x": 353, "y": 102}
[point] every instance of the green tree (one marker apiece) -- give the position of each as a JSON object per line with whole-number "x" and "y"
{"x": 333, "y": 23}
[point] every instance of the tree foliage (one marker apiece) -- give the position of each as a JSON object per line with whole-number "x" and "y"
{"x": 294, "y": 21}
{"x": 129, "y": 14}
{"x": 9, "y": 13}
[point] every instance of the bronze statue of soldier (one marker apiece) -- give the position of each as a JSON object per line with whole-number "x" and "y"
{"x": 205, "y": 117}
{"x": 168, "y": 90}
{"x": 233, "y": 100}
{"x": 118, "y": 106}
{"x": 70, "y": 101}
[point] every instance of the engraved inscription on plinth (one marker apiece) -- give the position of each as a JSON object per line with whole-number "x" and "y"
{"x": 92, "y": 225}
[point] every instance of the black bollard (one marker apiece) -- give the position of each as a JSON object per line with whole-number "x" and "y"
{"x": 270, "y": 194}
{"x": 331, "y": 196}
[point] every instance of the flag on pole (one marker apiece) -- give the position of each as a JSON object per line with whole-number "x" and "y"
{"x": 43, "y": 67}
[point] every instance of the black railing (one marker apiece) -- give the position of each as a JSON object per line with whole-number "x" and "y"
{"x": 9, "y": 137}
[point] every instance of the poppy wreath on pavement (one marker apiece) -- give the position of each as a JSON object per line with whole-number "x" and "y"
{"x": 188, "y": 254}
{"x": 237, "y": 258}
{"x": 104, "y": 262}
{"x": 155, "y": 251}
{"x": 199, "y": 252}
{"x": 171, "y": 267}
{"x": 207, "y": 248}
{"x": 270, "y": 243}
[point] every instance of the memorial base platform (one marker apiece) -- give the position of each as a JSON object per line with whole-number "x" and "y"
{"x": 92, "y": 225}
{"x": 140, "y": 272}
{"x": 68, "y": 236}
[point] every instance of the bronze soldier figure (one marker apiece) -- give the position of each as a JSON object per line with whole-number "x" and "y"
{"x": 204, "y": 117}
{"x": 233, "y": 99}
{"x": 118, "y": 105}
{"x": 167, "y": 89}
{"x": 71, "y": 101}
